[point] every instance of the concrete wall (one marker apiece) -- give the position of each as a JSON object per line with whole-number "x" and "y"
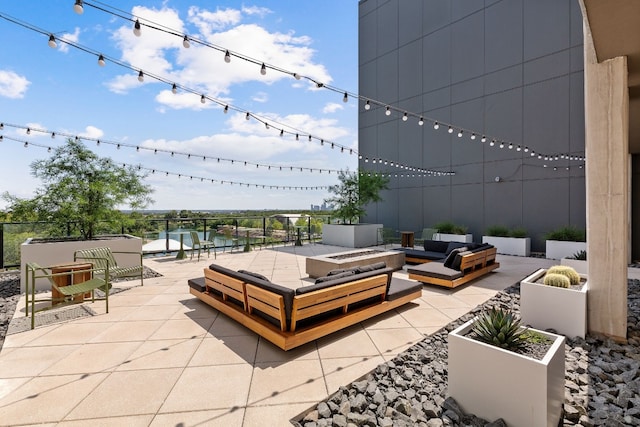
{"x": 512, "y": 69}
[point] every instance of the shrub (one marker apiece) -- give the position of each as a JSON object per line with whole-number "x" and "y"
{"x": 499, "y": 327}
{"x": 518, "y": 232}
{"x": 557, "y": 280}
{"x": 498, "y": 231}
{"x": 568, "y": 234}
{"x": 568, "y": 272}
{"x": 448, "y": 227}
{"x": 580, "y": 255}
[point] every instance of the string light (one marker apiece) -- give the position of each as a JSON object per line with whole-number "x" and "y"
{"x": 367, "y": 105}
{"x": 185, "y": 42}
{"x": 202, "y": 99}
{"x": 101, "y": 61}
{"x": 227, "y": 57}
{"x": 136, "y": 28}
{"x": 52, "y": 42}
{"x": 174, "y": 89}
{"x": 420, "y": 121}
{"x": 404, "y": 117}
{"x": 263, "y": 69}
{"x": 140, "y": 76}
{"x": 226, "y": 109}
{"x": 247, "y": 116}
{"x": 436, "y": 125}
{"x": 345, "y": 98}
{"x": 77, "y": 8}
{"x": 450, "y": 130}
{"x": 388, "y": 111}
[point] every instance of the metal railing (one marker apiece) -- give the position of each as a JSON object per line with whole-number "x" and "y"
{"x": 228, "y": 231}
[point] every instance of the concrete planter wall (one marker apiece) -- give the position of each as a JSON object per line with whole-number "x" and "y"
{"x": 579, "y": 265}
{"x": 445, "y": 237}
{"x": 350, "y": 235}
{"x": 520, "y": 246}
{"x": 558, "y": 249}
{"x": 47, "y": 253}
{"x": 494, "y": 383}
{"x": 549, "y": 307}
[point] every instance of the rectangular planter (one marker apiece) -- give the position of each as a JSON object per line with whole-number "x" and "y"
{"x": 494, "y": 383}
{"x": 350, "y": 235}
{"x": 445, "y": 237}
{"x": 519, "y": 246}
{"x": 55, "y": 252}
{"x": 558, "y": 249}
{"x": 549, "y": 307}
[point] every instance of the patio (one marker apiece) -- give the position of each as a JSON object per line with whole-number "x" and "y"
{"x": 163, "y": 357}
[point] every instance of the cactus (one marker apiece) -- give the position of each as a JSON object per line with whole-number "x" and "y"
{"x": 499, "y": 327}
{"x": 569, "y": 272}
{"x": 557, "y": 280}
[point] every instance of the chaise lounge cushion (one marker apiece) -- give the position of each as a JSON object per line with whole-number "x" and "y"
{"x": 401, "y": 287}
{"x": 198, "y": 284}
{"x": 435, "y": 246}
{"x": 435, "y": 269}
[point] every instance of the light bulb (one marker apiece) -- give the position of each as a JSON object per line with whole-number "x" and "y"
{"x": 388, "y": 111}
{"x": 404, "y": 117}
{"x": 77, "y": 8}
{"x": 174, "y": 88}
{"x": 518, "y": 149}
{"x": 263, "y": 69}
{"x": 226, "y": 109}
{"x": 473, "y": 136}
{"x": 136, "y": 28}
{"x": 493, "y": 142}
{"x": 296, "y": 76}
{"x": 185, "y": 42}
{"x": 436, "y": 125}
{"x": 450, "y": 130}
{"x": 345, "y": 98}
{"x": 247, "y": 116}
{"x": 52, "y": 42}
{"x": 53, "y": 135}
{"x": 281, "y": 132}
{"x": 227, "y": 57}
{"x": 101, "y": 60}
{"x": 510, "y": 146}
{"x": 28, "y": 131}
{"x": 367, "y": 106}
{"x": 421, "y": 121}
{"x": 202, "y": 99}
{"x": 140, "y": 76}
{"x": 483, "y": 139}
{"x": 297, "y": 137}
{"x": 460, "y": 134}
{"x": 502, "y": 145}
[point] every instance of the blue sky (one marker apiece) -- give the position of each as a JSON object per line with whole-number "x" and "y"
{"x": 64, "y": 90}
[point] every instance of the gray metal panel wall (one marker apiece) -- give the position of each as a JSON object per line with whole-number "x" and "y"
{"x": 511, "y": 69}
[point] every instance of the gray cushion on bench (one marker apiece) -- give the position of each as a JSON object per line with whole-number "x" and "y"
{"x": 401, "y": 287}
{"x": 435, "y": 269}
{"x": 419, "y": 253}
{"x": 197, "y": 284}
{"x": 346, "y": 279}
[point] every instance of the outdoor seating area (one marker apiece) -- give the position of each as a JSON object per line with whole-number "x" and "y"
{"x": 162, "y": 341}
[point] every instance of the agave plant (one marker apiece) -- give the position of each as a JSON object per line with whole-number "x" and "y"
{"x": 501, "y": 328}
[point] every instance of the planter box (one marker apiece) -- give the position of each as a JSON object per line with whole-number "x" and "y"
{"x": 464, "y": 238}
{"x": 549, "y": 307}
{"x": 579, "y": 265}
{"x": 350, "y": 235}
{"x": 520, "y": 246}
{"x": 52, "y": 252}
{"x": 494, "y": 383}
{"x": 558, "y": 249}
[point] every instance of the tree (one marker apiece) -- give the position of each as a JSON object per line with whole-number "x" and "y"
{"x": 354, "y": 192}
{"x": 81, "y": 187}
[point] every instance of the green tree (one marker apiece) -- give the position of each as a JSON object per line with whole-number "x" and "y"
{"x": 81, "y": 187}
{"x": 354, "y": 192}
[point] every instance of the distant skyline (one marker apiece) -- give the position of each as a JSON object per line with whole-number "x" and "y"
{"x": 64, "y": 90}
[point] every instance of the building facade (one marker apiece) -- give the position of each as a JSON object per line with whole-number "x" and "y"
{"x": 509, "y": 70}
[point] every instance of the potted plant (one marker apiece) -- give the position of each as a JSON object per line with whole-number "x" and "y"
{"x": 578, "y": 261}
{"x": 451, "y": 232}
{"x": 352, "y": 194}
{"x": 564, "y": 242}
{"x": 555, "y": 298}
{"x": 494, "y": 372}
{"x": 508, "y": 241}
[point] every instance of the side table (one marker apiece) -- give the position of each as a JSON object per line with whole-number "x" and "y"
{"x": 82, "y": 271}
{"x": 407, "y": 238}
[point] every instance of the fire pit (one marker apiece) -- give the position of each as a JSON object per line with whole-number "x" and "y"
{"x": 319, "y": 266}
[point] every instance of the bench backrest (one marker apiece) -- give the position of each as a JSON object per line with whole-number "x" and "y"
{"x": 478, "y": 259}
{"x": 102, "y": 258}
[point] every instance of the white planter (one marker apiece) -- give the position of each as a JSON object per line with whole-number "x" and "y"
{"x": 558, "y": 249}
{"x": 550, "y": 307}
{"x": 579, "y": 265}
{"x": 445, "y": 237}
{"x": 494, "y": 383}
{"x": 50, "y": 253}
{"x": 520, "y": 246}
{"x": 350, "y": 235}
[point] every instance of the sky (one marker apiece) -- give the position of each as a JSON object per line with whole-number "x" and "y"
{"x": 64, "y": 90}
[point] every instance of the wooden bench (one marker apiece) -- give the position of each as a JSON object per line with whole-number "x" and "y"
{"x": 311, "y": 315}
{"x": 472, "y": 266}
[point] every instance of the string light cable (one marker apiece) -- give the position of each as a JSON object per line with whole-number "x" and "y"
{"x": 368, "y": 102}
{"x": 154, "y": 171}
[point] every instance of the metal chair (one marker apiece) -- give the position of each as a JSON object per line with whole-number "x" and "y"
{"x": 198, "y": 244}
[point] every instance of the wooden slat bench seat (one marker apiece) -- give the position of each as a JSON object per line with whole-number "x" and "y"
{"x": 289, "y": 318}
{"x": 472, "y": 266}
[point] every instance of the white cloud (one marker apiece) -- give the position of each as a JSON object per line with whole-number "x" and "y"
{"x": 256, "y": 10}
{"x": 13, "y": 85}
{"x": 261, "y": 97}
{"x": 208, "y": 22}
{"x": 332, "y": 107}
{"x": 92, "y": 132}
{"x": 72, "y": 37}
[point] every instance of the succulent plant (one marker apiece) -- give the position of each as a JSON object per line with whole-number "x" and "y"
{"x": 557, "y": 280}
{"x": 499, "y": 327}
{"x": 565, "y": 270}
{"x": 580, "y": 255}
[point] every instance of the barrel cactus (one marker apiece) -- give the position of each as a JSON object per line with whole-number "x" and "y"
{"x": 499, "y": 327}
{"x": 557, "y": 280}
{"x": 569, "y": 272}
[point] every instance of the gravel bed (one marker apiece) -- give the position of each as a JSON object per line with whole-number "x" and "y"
{"x": 602, "y": 382}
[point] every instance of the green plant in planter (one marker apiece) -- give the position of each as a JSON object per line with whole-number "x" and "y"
{"x": 557, "y": 280}
{"x": 567, "y": 234}
{"x": 498, "y": 231}
{"x": 569, "y": 272}
{"x": 580, "y": 255}
{"x": 518, "y": 232}
{"x": 499, "y": 327}
{"x": 448, "y": 227}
